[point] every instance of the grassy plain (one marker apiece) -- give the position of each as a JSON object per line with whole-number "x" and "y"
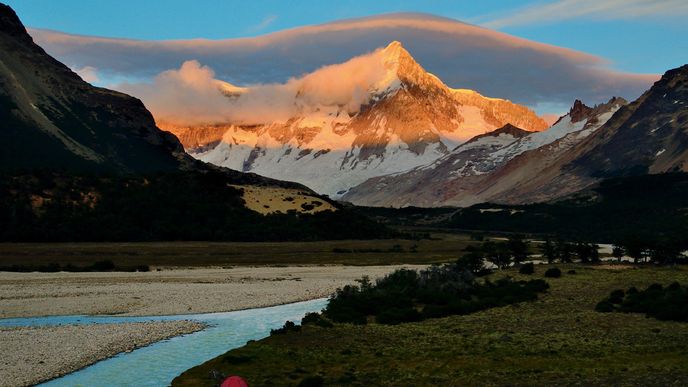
{"x": 557, "y": 340}
{"x": 442, "y": 248}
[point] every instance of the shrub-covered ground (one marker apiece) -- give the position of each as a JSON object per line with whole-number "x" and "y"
{"x": 557, "y": 340}
{"x": 438, "y": 291}
{"x": 657, "y": 301}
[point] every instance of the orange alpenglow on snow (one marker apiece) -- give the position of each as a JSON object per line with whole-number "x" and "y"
{"x": 374, "y": 114}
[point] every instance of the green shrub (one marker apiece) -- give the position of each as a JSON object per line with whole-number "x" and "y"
{"x": 316, "y": 319}
{"x": 553, "y": 272}
{"x": 663, "y": 303}
{"x": 527, "y": 268}
{"x": 604, "y": 306}
{"x": 289, "y": 326}
{"x": 437, "y": 291}
{"x": 616, "y": 297}
{"x": 307, "y": 207}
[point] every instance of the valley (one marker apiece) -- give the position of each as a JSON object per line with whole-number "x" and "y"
{"x": 264, "y": 194}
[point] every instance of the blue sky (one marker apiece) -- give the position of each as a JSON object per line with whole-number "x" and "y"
{"x": 647, "y": 36}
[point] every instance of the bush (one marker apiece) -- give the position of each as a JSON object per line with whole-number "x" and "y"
{"x": 604, "y": 307}
{"x": 437, "y": 291}
{"x": 527, "y": 268}
{"x": 289, "y": 326}
{"x": 663, "y": 303}
{"x": 616, "y": 297}
{"x": 553, "y": 272}
{"x": 316, "y": 319}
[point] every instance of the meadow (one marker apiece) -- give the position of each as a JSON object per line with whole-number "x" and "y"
{"x": 557, "y": 340}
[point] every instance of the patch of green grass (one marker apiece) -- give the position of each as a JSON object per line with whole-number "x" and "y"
{"x": 557, "y": 340}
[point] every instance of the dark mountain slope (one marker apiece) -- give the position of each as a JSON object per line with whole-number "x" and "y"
{"x": 84, "y": 163}
{"x": 50, "y": 117}
{"x": 649, "y": 207}
{"x": 649, "y": 135}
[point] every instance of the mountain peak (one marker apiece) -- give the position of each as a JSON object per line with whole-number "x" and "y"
{"x": 396, "y": 51}
{"x": 401, "y": 63}
{"x": 579, "y": 111}
{"x": 396, "y": 54}
{"x": 394, "y": 45}
{"x": 10, "y": 23}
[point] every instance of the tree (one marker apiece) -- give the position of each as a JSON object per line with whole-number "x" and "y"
{"x": 549, "y": 251}
{"x": 618, "y": 252}
{"x": 497, "y": 253}
{"x": 518, "y": 248}
{"x": 582, "y": 252}
{"x": 635, "y": 248}
{"x": 587, "y": 252}
{"x": 565, "y": 251}
{"x": 594, "y": 252}
{"x": 665, "y": 251}
{"x": 473, "y": 260}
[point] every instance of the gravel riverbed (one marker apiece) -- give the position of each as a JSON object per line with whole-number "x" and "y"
{"x": 32, "y": 355}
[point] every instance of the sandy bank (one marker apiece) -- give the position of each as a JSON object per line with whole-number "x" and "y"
{"x": 32, "y": 355}
{"x": 172, "y": 291}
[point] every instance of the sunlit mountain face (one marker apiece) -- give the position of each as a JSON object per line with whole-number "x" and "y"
{"x": 331, "y": 129}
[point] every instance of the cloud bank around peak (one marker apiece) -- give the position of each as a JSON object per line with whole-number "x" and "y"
{"x": 462, "y": 55}
{"x": 192, "y": 95}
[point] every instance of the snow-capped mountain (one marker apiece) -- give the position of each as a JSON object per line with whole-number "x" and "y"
{"x": 466, "y": 175}
{"x": 398, "y": 117}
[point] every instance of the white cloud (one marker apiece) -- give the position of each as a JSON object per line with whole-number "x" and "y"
{"x": 88, "y": 74}
{"x": 191, "y": 94}
{"x": 265, "y": 23}
{"x": 597, "y": 9}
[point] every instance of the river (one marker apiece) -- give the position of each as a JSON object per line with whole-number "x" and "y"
{"x": 159, "y": 363}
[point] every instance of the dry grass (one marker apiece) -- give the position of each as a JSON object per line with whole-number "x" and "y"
{"x": 271, "y": 200}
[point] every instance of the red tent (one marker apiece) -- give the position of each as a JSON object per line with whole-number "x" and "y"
{"x": 234, "y": 381}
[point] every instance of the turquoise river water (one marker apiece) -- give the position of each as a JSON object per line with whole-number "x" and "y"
{"x": 159, "y": 363}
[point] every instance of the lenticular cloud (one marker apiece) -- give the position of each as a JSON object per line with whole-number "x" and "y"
{"x": 462, "y": 55}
